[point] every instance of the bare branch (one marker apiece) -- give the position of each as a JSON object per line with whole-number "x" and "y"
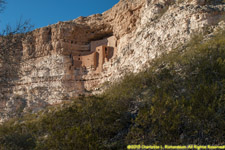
{"x": 2, "y": 5}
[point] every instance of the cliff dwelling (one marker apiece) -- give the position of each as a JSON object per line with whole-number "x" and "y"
{"x": 85, "y": 62}
{"x": 92, "y": 56}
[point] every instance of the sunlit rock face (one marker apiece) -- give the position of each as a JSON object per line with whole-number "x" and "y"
{"x": 76, "y": 57}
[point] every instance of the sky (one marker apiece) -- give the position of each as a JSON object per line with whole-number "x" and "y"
{"x": 45, "y": 12}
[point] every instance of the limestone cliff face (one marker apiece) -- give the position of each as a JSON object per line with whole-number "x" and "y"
{"x": 75, "y": 57}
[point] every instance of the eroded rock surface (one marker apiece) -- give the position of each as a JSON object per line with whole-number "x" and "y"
{"x": 75, "y": 57}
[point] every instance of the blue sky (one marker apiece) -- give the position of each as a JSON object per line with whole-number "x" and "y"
{"x": 46, "y": 12}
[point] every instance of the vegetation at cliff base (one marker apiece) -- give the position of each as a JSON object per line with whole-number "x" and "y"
{"x": 179, "y": 100}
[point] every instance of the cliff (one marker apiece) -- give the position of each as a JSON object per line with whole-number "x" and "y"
{"x": 76, "y": 57}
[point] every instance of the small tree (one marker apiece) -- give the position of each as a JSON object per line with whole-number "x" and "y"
{"x": 10, "y": 55}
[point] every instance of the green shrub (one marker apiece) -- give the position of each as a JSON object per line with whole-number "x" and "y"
{"x": 188, "y": 104}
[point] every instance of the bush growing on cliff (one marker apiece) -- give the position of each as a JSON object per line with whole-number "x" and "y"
{"x": 187, "y": 103}
{"x": 178, "y": 100}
